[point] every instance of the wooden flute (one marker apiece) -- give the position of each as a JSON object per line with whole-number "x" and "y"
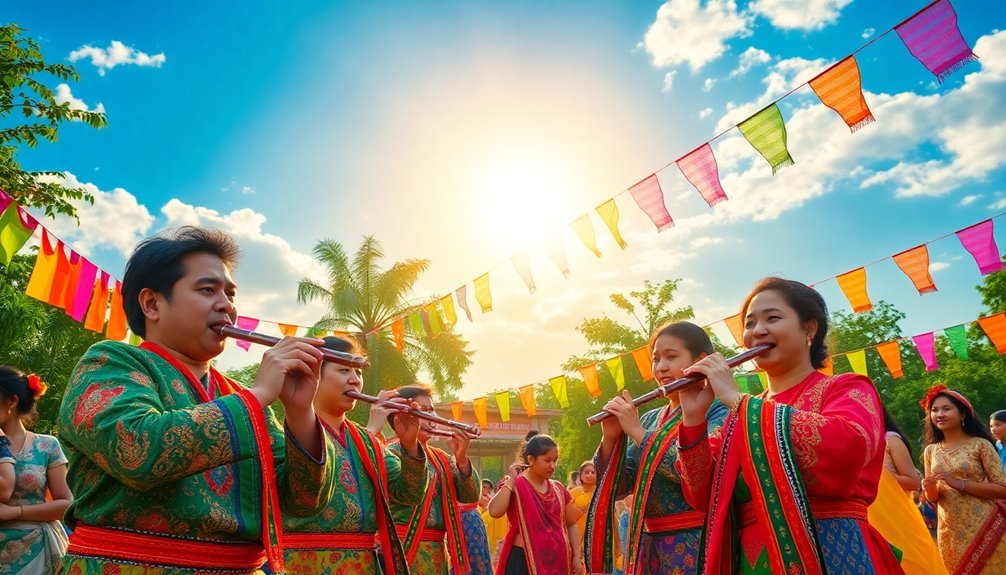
{"x": 471, "y": 430}
{"x": 669, "y": 388}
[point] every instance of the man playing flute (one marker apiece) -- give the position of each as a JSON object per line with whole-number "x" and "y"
{"x": 177, "y": 469}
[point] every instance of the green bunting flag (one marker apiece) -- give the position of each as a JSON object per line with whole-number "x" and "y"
{"x": 766, "y": 132}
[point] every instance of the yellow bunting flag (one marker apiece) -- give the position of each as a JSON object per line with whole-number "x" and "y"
{"x": 456, "y": 408}
{"x": 503, "y": 402}
{"x": 857, "y": 359}
{"x": 449, "y": 313}
{"x": 736, "y": 326}
{"x": 341, "y": 334}
{"x": 558, "y": 254}
{"x": 995, "y": 328}
{"x": 481, "y": 411}
{"x": 287, "y": 330}
{"x": 828, "y": 368}
{"x": 527, "y": 400}
{"x": 482, "y": 293}
{"x": 617, "y": 372}
{"x": 841, "y": 89}
{"x": 762, "y": 379}
{"x": 589, "y": 374}
{"x": 890, "y": 352}
{"x": 853, "y": 285}
{"x": 398, "y": 333}
{"x": 585, "y": 231}
{"x": 643, "y": 362}
{"x": 134, "y": 340}
{"x": 433, "y": 313}
{"x": 523, "y": 265}
{"x": 915, "y": 264}
{"x": 95, "y": 320}
{"x": 609, "y": 215}
{"x": 117, "y": 317}
{"x": 462, "y": 294}
{"x": 558, "y": 384}
{"x": 40, "y": 283}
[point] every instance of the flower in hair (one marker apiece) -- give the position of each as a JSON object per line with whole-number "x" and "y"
{"x": 926, "y": 401}
{"x": 36, "y": 386}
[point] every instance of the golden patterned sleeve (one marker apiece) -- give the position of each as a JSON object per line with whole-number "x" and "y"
{"x": 992, "y": 464}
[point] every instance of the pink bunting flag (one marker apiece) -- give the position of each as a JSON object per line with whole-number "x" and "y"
{"x": 926, "y": 344}
{"x": 700, "y": 168}
{"x": 650, "y": 198}
{"x": 248, "y": 323}
{"x": 84, "y": 289}
{"x": 932, "y": 36}
{"x": 5, "y": 201}
{"x": 980, "y": 241}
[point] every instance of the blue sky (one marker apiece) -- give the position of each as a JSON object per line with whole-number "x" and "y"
{"x": 467, "y": 132}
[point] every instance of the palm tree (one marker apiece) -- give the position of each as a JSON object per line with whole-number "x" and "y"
{"x": 366, "y": 299}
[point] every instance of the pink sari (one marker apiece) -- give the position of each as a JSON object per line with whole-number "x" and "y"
{"x": 540, "y": 521}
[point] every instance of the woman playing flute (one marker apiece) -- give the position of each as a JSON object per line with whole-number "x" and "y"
{"x": 344, "y": 537}
{"x": 788, "y": 477}
{"x": 423, "y": 527}
{"x": 637, "y": 456}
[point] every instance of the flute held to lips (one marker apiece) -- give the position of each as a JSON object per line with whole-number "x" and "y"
{"x": 335, "y": 356}
{"x": 669, "y": 388}
{"x": 471, "y": 430}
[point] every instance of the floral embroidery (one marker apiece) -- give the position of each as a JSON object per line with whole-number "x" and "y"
{"x": 130, "y": 450}
{"x": 805, "y": 434}
{"x": 95, "y": 399}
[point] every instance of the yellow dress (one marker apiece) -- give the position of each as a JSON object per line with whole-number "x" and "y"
{"x": 894, "y": 514}
{"x": 496, "y": 528}
{"x": 962, "y": 517}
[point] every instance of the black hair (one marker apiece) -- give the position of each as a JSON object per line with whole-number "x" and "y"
{"x": 808, "y": 304}
{"x": 891, "y": 425}
{"x": 535, "y": 445}
{"x": 341, "y": 344}
{"x": 14, "y": 383}
{"x": 695, "y": 338}
{"x": 156, "y": 264}
{"x": 999, "y": 416}
{"x": 971, "y": 425}
{"x": 410, "y": 392}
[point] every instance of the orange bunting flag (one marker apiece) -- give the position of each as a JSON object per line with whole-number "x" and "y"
{"x": 890, "y": 352}
{"x": 65, "y": 298}
{"x": 527, "y": 400}
{"x": 585, "y": 231}
{"x": 117, "y": 317}
{"x": 995, "y": 328}
{"x": 462, "y": 295}
{"x": 449, "y": 313}
{"x": 481, "y": 411}
{"x": 857, "y": 359}
{"x": 287, "y": 330}
{"x": 40, "y": 282}
{"x": 840, "y": 88}
{"x": 617, "y": 372}
{"x": 95, "y": 320}
{"x": 482, "y": 293}
{"x": 853, "y": 285}
{"x": 644, "y": 363}
{"x": 503, "y": 402}
{"x": 609, "y": 215}
{"x": 60, "y": 277}
{"x": 736, "y": 326}
{"x": 559, "y": 390}
{"x": 589, "y": 374}
{"x": 523, "y": 266}
{"x": 915, "y": 264}
{"x": 558, "y": 254}
{"x": 456, "y": 408}
{"x": 828, "y": 368}
{"x": 398, "y": 333}
{"x": 650, "y": 198}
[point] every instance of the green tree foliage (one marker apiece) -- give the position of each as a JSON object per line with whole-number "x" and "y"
{"x": 30, "y": 114}
{"x": 363, "y": 298}
{"x": 38, "y": 338}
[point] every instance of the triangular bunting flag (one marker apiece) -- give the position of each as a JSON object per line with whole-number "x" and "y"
{"x": 527, "y": 400}
{"x": 585, "y": 231}
{"x": 650, "y": 198}
{"x": 853, "y": 285}
{"x": 40, "y": 282}
{"x": 70, "y": 287}
{"x": 416, "y": 324}
{"x": 915, "y": 264}
{"x": 617, "y": 372}
{"x": 926, "y": 345}
{"x": 958, "y": 338}
{"x": 589, "y": 374}
{"x": 736, "y": 326}
{"x": 700, "y": 169}
{"x": 95, "y": 319}
{"x": 436, "y": 325}
{"x": 456, "y": 409}
{"x": 609, "y": 215}
{"x": 522, "y": 264}
{"x": 116, "y": 328}
{"x": 558, "y": 254}
{"x": 449, "y": 313}
{"x": 481, "y": 411}
{"x": 249, "y": 323}
{"x": 558, "y": 384}
{"x": 932, "y": 36}
{"x": 643, "y": 362}
{"x": 398, "y": 333}
{"x": 85, "y": 287}
{"x": 462, "y": 295}
{"x": 766, "y": 132}
{"x": 503, "y": 402}
{"x": 890, "y": 352}
{"x": 828, "y": 368}
{"x": 995, "y": 327}
{"x": 289, "y": 330}
{"x": 980, "y": 241}
{"x": 841, "y": 89}
{"x": 60, "y": 276}
{"x": 857, "y": 359}
{"x": 482, "y": 293}
{"x": 13, "y": 232}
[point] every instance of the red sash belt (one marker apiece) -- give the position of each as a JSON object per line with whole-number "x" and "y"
{"x": 466, "y": 507}
{"x": 164, "y": 550}
{"x": 358, "y": 541}
{"x": 819, "y": 508}
{"x": 428, "y": 533}
{"x": 674, "y": 521}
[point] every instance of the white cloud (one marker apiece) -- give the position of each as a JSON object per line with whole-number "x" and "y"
{"x": 63, "y": 95}
{"x": 708, "y": 84}
{"x": 116, "y": 54}
{"x": 668, "y": 81}
{"x": 998, "y": 205}
{"x": 970, "y": 199}
{"x": 705, "y": 113}
{"x": 784, "y": 75}
{"x": 799, "y": 14}
{"x": 868, "y": 33}
{"x": 703, "y": 241}
{"x": 938, "y": 266}
{"x": 748, "y": 59}
{"x": 247, "y": 190}
{"x": 686, "y": 32}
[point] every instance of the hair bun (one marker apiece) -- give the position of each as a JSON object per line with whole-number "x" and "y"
{"x": 530, "y": 434}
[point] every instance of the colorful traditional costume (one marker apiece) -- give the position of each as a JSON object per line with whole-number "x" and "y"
{"x": 422, "y": 527}
{"x": 32, "y": 547}
{"x": 173, "y": 475}
{"x": 476, "y": 541}
{"x": 664, "y": 530}
{"x": 343, "y": 537}
{"x": 971, "y": 529}
{"x": 896, "y": 517}
{"x": 539, "y": 519}
{"x": 787, "y": 481}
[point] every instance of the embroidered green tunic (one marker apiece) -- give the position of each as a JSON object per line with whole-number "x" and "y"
{"x": 145, "y": 455}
